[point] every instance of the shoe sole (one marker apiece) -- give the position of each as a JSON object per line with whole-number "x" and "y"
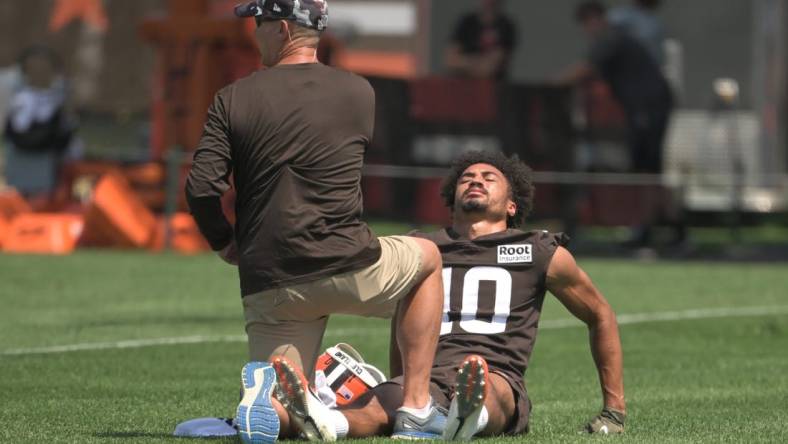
{"x": 292, "y": 393}
{"x": 415, "y": 436}
{"x": 470, "y": 392}
{"x": 255, "y": 418}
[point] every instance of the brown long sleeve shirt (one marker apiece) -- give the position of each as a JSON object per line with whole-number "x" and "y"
{"x": 293, "y": 137}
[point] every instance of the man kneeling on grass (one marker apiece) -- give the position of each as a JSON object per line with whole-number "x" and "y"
{"x": 495, "y": 277}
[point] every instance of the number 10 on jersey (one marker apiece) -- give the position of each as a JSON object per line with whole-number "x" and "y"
{"x": 468, "y": 317}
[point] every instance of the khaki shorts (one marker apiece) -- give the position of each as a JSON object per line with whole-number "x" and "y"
{"x": 290, "y": 321}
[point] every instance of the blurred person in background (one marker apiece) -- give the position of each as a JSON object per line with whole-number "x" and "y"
{"x": 637, "y": 83}
{"x": 640, "y": 20}
{"x": 482, "y": 43}
{"x": 39, "y": 125}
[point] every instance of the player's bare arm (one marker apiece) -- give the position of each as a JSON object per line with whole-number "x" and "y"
{"x": 572, "y": 286}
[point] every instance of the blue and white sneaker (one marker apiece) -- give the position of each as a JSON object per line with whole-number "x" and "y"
{"x": 256, "y": 419}
{"x": 410, "y": 426}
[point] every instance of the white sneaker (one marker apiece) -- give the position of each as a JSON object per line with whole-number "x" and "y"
{"x": 312, "y": 418}
{"x": 470, "y": 392}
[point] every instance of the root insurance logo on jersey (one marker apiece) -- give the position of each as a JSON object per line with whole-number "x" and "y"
{"x": 515, "y": 254}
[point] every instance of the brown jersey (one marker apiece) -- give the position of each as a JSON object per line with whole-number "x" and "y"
{"x": 494, "y": 287}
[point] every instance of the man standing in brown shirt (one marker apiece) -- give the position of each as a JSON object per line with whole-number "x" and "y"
{"x": 495, "y": 277}
{"x": 293, "y": 137}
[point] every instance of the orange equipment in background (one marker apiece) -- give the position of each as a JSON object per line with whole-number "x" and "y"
{"x": 12, "y": 204}
{"x": 146, "y": 179}
{"x": 184, "y": 235}
{"x": 194, "y": 60}
{"x": 4, "y": 227}
{"x": 117, "y": 217}
{"x": 42, "y": 233}
{"x": 92, "y": 12}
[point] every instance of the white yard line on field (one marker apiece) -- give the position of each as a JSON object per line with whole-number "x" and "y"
{"x": 669, "y": 316}
{"x": 133, "y": 343}
{"x": 623, "y": 319}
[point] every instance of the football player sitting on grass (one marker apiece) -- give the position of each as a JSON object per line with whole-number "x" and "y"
{"x": 495, "y": 279}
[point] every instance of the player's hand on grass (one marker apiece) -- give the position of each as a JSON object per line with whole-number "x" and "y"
{"x": 608, "y": 422}
{"x": 229, "y": 253}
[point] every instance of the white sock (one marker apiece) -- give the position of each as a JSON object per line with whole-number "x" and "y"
{"x": 340, "y": 423}
{"x": 484, "y": 416}
{"x": 419, "y": 413}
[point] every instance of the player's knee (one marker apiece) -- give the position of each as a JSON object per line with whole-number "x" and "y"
{"x": 430, "y": 256}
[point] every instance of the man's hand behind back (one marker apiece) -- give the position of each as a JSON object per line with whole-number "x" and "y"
{"x": 608, "y": 422}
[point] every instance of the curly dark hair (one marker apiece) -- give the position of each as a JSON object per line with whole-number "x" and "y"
{"x": 517, "y": 173}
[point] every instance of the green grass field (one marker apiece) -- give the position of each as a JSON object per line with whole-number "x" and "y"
{"x": 707, "y": 378}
